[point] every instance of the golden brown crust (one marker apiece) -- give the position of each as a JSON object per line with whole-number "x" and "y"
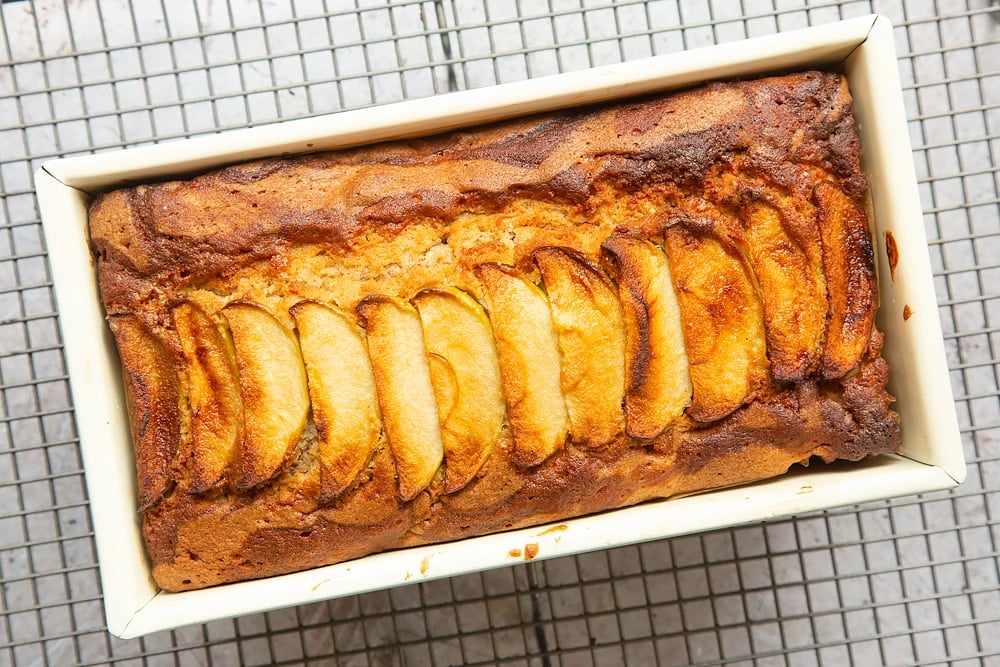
{"x": 283, "y": 531}
{"x": 724, "y": 177}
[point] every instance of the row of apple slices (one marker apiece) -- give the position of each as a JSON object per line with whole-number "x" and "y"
{"x": 437, "y": 374}
{"x": 586, "y": 359}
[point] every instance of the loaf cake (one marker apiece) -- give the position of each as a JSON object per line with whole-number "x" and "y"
{"x": 335, "y": 354}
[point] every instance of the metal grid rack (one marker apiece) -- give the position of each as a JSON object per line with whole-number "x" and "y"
{"x": 910, "y": 581}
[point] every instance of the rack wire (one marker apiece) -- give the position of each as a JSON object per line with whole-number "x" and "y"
{"x": 908, "y": 581}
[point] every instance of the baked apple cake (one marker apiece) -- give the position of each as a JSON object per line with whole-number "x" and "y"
{"x": 335, "y": 354}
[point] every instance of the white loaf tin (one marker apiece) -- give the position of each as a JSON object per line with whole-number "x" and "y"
{"x": 862, "y": 48}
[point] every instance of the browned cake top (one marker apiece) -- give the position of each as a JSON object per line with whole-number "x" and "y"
{"x": 333, "y": 354}
{"x": 578, "y": 162}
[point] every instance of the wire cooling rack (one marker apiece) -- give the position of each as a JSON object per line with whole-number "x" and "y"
{"x": 909, "y": 581}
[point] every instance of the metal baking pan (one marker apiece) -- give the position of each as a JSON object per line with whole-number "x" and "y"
{"x": 932, "y": 456}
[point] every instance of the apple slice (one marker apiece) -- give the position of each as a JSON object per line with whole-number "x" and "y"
{"x": 213, "y": 392}
{"x": 529, "y": 363}
{"x": 342, "y": 391}
{"x": 784, "y": 250}
{"x": 466, "y": 378}
{"x": 405, "y": 392}
{"x": 588, "y": 319}
{"x": 657, "y": 373}
{"x": 273, "y": 387}
{"x": 849, "y": 264}
{"x": 153, "y": 395}
{"x": 723, "y": 320}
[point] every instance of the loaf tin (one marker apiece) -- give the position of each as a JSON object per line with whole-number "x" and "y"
{"x": 932, "y": 457}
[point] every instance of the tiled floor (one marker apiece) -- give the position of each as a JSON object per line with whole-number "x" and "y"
{"x": 911, "y": 581}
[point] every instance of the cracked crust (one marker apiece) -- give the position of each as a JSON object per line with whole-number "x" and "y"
{"x": 395, "y": 218}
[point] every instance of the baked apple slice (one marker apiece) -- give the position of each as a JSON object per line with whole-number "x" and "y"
{"x": 849, "y": 263}
{"x": 342, "y": 392}
{"x": 589, "y": 323}
{"x": 529, "y": 363}
{"x": 405, "y": 392}
{"x": 213, "y": 393}
{"x": 273, "y": 387}
{"x": 152, "y": 393}
{"x": 658, "y": 378}
{"x": 465, "y": 374}
{"x": 723, "y": 320}
{"x": 784, "y": 250}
